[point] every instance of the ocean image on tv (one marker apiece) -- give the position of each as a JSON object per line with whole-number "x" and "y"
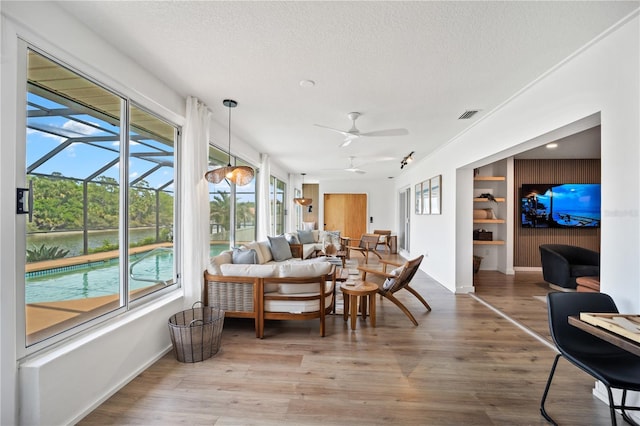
{"x": 560, "y": 206}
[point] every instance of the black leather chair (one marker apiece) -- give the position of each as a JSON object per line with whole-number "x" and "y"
{"x": 614, "y": 367}
{"x": 562, "y": 264}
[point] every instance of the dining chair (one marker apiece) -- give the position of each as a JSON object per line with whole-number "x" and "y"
{"x": 613, "y": 366}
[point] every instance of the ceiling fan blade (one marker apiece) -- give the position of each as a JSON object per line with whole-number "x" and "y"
{"x": 348, "y": 140}
{"x": 342, "y": 132}
{"x": 388, "y": 132}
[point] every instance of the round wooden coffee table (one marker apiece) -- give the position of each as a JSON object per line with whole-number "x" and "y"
{"x": 363, "y": 290}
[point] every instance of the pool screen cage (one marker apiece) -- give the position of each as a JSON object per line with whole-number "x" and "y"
{"x": 74, "y": 138}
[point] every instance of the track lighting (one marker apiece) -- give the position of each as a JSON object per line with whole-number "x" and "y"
{"x": 406, "y": 160}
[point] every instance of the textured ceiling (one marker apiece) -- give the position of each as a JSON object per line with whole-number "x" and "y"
{"x": 413, "y": 65}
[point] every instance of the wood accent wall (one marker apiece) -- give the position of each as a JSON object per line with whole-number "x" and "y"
{"x": 527, "y": 240}
{"x": 311, "y": 190}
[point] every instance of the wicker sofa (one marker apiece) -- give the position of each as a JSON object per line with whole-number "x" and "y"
{"x": 291, "y": 289}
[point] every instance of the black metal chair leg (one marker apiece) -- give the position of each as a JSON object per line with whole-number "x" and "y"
{"x": 612, "y": 410}
{"x": 625, "y": 416}
{"x": 546, "y": 391}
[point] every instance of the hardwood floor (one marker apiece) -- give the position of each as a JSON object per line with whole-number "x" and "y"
{"x": 465, "y": 364}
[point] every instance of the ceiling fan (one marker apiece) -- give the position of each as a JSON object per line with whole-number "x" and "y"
{"x": 354, "y": 133}
{"x": 352, "y": 168}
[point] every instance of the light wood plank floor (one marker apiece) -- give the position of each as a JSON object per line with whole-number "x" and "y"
{"x": 465, "y": 364}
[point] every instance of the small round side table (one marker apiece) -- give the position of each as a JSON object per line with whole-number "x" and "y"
{"x": 363, "y": 290}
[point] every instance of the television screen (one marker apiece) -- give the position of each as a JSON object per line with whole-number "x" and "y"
{"x": 569, "y": 205}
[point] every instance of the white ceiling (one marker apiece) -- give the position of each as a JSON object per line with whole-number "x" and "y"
{"x": 413, "y": 65}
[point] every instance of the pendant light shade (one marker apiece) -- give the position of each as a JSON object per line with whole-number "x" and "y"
{"x": 239, "y": 175}
{"x": 303, "y": 201}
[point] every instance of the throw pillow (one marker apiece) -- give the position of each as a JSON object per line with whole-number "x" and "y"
{"x": 244, "y": 256}
{"x": 255, "y": 246}
{"x": 292, "y": 238}
{"x": 389, "y": 282}
{"x": 305, "y": 237}
{"x": 280, "y": 248}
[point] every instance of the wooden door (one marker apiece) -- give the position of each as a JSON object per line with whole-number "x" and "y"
{"x": 346, "y": 213}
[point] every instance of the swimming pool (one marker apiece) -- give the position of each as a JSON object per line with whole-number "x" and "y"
{"x": 101, "y": 278}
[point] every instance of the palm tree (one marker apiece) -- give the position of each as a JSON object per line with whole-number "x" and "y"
{"x": 220, "y": 210}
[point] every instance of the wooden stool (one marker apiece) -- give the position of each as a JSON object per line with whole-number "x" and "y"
{"x": 363, "y": 290}
{"x": 588, "y": 284}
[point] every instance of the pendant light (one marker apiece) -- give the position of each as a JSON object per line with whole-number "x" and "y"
{"x": 239, "y": 175}
{"x": 303, "y": 201}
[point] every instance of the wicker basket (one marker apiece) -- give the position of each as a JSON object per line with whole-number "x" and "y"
{"x": 196, "y": 333}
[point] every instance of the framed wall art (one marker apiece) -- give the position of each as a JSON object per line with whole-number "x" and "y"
{"x": 418, "y": 194}
{"x": 436, "y": 194}
{"x": 426, "y": 199}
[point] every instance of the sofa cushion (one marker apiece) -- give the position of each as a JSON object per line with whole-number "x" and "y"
{"x": 305, "y": 237}
{"x": 247, "y": 270}
{"x": 298, "y": 270}
{"x": 297, "y": 303}
{"x": 280, "y": 248}
{"x": 244, "y": 256}
{"x": 304, "y": 269}
{"x": 216, "y": 261}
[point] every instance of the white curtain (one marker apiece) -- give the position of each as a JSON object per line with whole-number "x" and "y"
{"x": 264, "y": 204}
{"x": 194, "y": 207}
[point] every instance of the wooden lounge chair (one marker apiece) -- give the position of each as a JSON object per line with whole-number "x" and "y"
{"x": 368, "y": 243}
{"x": 396, "y": 282}
{"x": 384, "y": 239}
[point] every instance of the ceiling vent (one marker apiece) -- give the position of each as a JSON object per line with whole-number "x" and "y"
{"x": 468, "y": 114}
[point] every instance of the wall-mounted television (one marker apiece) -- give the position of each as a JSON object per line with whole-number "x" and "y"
{"x": 569, "y": 205}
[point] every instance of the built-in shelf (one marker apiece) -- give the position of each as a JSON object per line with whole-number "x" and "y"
{"x": 489, "y": 221}
{"x": 478, "y": 178}
{"x": 488, "y": 243}
{"x": 480, "y": 200}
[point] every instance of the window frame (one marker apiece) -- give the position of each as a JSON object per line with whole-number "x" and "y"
{"x": 128, "y": 304}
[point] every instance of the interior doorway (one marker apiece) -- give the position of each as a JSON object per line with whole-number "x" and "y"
{"x": 346, "y": 213}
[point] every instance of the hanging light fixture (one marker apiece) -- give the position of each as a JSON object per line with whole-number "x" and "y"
{"x": 240, "y": 175}
{"x": 303, "y": 201}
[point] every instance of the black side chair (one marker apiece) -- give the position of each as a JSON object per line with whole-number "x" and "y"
{"x": 614, "y": 367}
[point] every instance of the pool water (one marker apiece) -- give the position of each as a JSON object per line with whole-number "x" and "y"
{"x": 102, "y": 279}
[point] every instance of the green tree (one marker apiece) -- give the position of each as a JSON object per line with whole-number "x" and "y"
{"x": 220, "y": 209}
{"x": 57, "y": 203}
{"x": 103, "y": 202}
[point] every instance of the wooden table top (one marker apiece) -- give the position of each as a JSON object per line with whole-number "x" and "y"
{"x": 606, "y": 335}
{"x": 360, "y": 288}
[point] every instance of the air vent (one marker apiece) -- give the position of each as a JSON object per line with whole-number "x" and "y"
{"x": 468, "y": 114}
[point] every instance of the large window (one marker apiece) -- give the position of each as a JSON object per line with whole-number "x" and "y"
{"x": 232, "y": 208}
{"x": 83, "y": 142}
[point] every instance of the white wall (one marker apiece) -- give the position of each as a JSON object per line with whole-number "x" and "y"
{"x": 601, "y": 78}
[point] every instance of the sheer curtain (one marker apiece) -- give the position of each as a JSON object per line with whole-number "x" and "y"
{"x": 264, "y": 203}
{"x": 194, "y": 208}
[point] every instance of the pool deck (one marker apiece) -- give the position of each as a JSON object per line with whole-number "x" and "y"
{"x": 88, "y": 258}
{"x": 45, "y": 319}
